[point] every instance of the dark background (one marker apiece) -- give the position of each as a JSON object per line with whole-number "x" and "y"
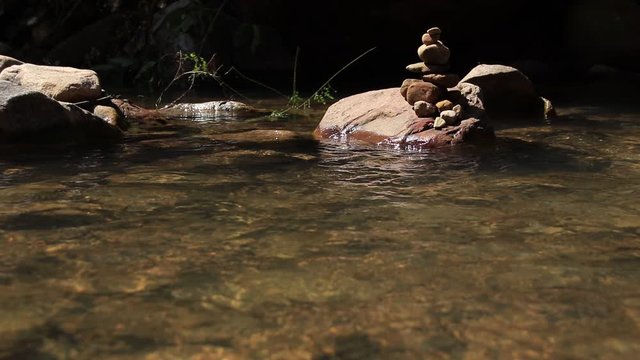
{"x": 132, "y": 44}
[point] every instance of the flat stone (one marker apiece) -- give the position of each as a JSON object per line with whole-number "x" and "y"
{"x": 435, "y": 54}
{"x": 61, "y": 83}
{"x": 424, "y": 91}
{"x": 434, "y": 31}
{"x": 6, "y": 61}
{"x": 446, "y": 80}
{"x": 424, "y": 109}
{"x": 422, "y": 68}
{"x": 383, "y": 117}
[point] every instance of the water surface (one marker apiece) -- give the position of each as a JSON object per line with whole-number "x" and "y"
{"x": 174, "y": 245}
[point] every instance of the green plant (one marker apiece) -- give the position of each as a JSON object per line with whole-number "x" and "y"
{"x": 322, "y": 95}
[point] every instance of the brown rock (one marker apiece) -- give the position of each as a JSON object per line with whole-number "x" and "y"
{"x": 61, "y": 83}
{"x": 424, "y": 109}
{"x": 384, "y": 117}
{"x": 446, "y": 80}
{"x": 423, "y": 91}
{"x": 435, "y": 32}
{"x": 444, "y": 105}
{"x": 436, "y": 54}
{"x": 107, "y": 113}
{"x": 405, "y": 86}
{"x": 422, "y": 68}
{"x": 6, "y": 61}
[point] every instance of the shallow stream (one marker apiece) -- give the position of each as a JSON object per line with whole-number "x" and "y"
{"x": 176, "y": 246}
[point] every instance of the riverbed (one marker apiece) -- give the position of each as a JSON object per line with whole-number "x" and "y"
{"x": 175, "y": 245}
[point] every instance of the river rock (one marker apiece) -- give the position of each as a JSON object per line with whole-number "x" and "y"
{"x": 446, "y": 80}
{"x": 107, "y": 113}
{"x": 424, "y": 109}
{"x": 422, "y": 68}
{"x": 439, "y": 123}
{"x": 405, "y": 86}
{"x": 435, "y": 32}
{"x": 384, "y": 117}
{"x": 423, "y": 91}
{"x": 428, "y": 39}
{"x": 61, "y": 83}
{"x": 6, "y": 61}
{"x": 471, "y": 98}
{"x": 444, "y": 105}
{"x": 449, "y": 116}
{"x": 506, "y": 91}
{"x": 436, "y": 54}
{"x": 27, "y": 115}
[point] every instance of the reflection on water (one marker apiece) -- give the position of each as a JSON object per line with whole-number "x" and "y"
{"x": 177, "y": 244}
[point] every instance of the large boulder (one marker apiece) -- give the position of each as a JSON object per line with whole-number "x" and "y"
{"x": 506, "y": 91}
{"x": 27, "y": 115}
{"x": 61, "y": 83}
{"x": 384, "y": 117}
{"x": 6, "y": 61}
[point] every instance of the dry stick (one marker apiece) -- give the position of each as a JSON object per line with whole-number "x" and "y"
{"x": 295, "y": 71}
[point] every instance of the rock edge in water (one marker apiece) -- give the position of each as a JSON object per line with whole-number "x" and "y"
{"x": 383, "y": 117}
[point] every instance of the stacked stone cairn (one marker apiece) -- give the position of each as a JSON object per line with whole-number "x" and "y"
{"x": 430, "y": 96}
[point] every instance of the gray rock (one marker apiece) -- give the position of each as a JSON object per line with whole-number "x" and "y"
{"x": 472, "y": 100}
{"x": 27, "y": 115}
{"x": 507, "y": 91}
{"x": 61, "y": 83}
{"x": 6, "y": 61}
{"x": 436, "y": 54}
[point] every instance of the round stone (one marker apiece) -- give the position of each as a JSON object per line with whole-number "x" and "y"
{"x": 428, "y": 39}
{"x": 424, "y": 109}
{"x": 436, "y": 54}
{"x": 423, "y": 91}
{"x": 405, "y": 86}
{"x": 449, "y": 116}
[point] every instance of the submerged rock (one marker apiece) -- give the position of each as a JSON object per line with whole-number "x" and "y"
{"x": 190, "y": 110}
{"x": 26, "y": 114}
{"x": 61, "y": 83}
{"x": 384, "y": 117}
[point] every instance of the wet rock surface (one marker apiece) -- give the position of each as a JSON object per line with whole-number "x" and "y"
{"x": 27, "y": 114}
{"x": 384, "y": 117}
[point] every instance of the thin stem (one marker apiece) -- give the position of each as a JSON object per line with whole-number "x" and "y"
{"x": 295, "y": 71}
{"x": 256, "y": 82}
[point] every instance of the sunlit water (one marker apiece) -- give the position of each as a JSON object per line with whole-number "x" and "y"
{"x": 176, "y": 246}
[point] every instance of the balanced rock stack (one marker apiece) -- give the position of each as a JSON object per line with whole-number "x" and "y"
{"x": 430, "y": 96}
